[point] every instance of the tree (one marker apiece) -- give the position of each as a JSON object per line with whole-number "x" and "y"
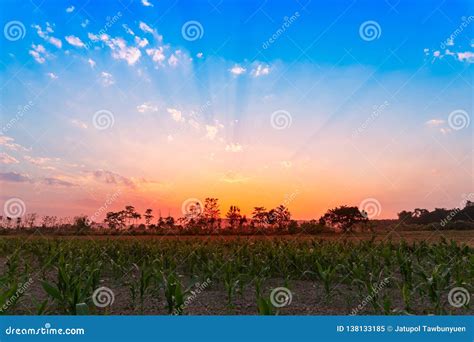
{"x": 130, "y": 213}
{"x": 30, "y": 220}
{"x": 116, "y": 220}
{"x": 233, "y": 215}
{"x": 136, "y": 216}
{"x": 169, "y": 221}
{"x": 271, "y": 217}
{"x": 148, "y": 216}
{"x": 282, "y": 216}
{"x": 193, "y": 211}
{"x": 211, "y": 211}
{"x": 343, "y": 218}
{"x": 405, "y": 216}
{"x": 259, "y": 216}
{"x": 81, "y": 223}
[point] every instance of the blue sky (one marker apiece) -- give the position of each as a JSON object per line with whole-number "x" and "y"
{"x": 365, "y": 89}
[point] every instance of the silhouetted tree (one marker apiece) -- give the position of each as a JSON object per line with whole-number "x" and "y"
{"x": 343, "y": 218}
{"x": 259, "y": 216}
{"x": 405, "y": 216}
{"x": 211, "y": 211}
{"x": 148, "y": 216}
{"x": 169, "y": 221}
{"x": 233, "y": 215}
{"x": 30, "y": 220}
{"x": 116, "y": 220}
{"x": 282, "y": 216}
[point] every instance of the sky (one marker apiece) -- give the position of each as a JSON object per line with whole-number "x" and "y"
{"x": 309, "y": 104}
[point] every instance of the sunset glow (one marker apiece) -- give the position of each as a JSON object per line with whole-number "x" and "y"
{"x": 123, "y": 104}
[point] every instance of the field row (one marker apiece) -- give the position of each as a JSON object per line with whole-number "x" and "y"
{"x": 237, "y": 276}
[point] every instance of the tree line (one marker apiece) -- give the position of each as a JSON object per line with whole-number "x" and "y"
{"x": 207, "y": 218}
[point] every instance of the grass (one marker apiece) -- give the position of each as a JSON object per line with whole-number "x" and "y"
{"x": 161, "y": 275}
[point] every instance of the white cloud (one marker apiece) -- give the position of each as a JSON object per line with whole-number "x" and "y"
{"x": 177, "y": 57}
{"x": 170, "y": 138}
{"x": 70, "y": 9}
{"x": 211, "y": 132}
{"x": 79, "y": 123}
{"x": 52, "y": 76}
{"x": 120, "y": 50}
{"x": 141, "y": 42}
{"x": 85, "y": 23}
{"x": 45, "y": 35}
{"x": 147, "y": 107}
{"x": 91, "y": 62}
{"x": 128, "y": 29}
{"x": 237, "y": 70}
{"x": 145, "y": 28}
{"x": 40, "y": 32}
{"x": 38, "y": 53}
{"x": 438, "y": 124}
{"x": 7, "y": 159}
{"x": 56, "y": 42}
{"x": 176, "y": 115}
{"x": 434, "y": 122}
{"x": 231, "y": 177}
{"x": 147, "y": 3}
{"x": 234, "y": 148}
{"x": 157, "y": 55}
{"x": 199, "y": 55}
{"x": 467, "y": 56}
{"x": 260, "y": 70}
{"x": 173, "y": 60}
{"x": 447, "y": 52}
{"x": 75, "y": 41}
{"x": 93, "y": 37}
{"x": 9, "y": 143}
{"x": 106, "y": 79}
{"x": 39, "y": 161}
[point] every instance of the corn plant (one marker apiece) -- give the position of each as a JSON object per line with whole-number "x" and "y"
{"x": 174, "y": 294}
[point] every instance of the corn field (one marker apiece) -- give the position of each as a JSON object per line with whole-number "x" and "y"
{"x": 197, "y": 276}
